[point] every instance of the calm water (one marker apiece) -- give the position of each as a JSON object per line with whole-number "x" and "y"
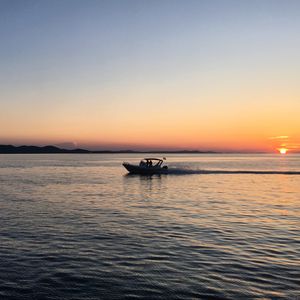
{"x": 76, "y": 227}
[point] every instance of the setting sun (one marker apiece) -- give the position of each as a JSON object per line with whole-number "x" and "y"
{"x": 282, "y": 150}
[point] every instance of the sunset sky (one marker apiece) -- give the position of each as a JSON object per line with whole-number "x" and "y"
{"x": 208, "y": 75}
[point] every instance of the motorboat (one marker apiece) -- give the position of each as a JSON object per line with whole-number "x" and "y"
{"x": 147, "y": 166}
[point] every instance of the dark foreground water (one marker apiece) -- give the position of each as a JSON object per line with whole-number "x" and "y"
{"x": 76, "y": 227}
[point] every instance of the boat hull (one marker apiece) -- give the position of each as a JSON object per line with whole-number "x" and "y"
{"x": 134, "y": 169}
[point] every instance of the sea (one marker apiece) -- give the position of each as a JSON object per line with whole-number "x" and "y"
{"x": 218, "y": 226}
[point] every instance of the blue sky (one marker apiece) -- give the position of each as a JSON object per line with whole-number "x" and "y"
{"x": 81, "y": 66}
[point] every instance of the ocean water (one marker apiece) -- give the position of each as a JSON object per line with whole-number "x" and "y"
{"x": 217, "y": 227}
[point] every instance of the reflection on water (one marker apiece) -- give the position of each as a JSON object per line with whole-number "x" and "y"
{"x": 78, "y": 227}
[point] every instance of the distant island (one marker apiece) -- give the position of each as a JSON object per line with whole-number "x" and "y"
{"x": 10, "y": 149}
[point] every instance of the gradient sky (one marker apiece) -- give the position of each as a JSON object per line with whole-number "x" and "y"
{"x": 209, "y": 74}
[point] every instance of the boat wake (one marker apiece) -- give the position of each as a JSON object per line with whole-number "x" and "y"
{"x": 182, "y": 171}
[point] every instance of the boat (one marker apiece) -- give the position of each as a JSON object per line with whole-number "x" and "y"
{"x": 147, "y": 166}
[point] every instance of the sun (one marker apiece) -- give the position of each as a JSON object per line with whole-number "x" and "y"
{"x": 282, "y": 150}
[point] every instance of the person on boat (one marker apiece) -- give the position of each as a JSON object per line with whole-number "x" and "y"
{"x": 150, "y": 163}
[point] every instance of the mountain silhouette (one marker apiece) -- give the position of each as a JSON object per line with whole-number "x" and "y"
{"x": 35, "y": 149}
{"x": 10, "y": 149}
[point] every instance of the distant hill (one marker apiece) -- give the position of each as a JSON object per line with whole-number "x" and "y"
{"x": 10, "y": 149}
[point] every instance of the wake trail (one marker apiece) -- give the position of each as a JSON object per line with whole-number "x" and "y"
{"x": 178, "y": 171}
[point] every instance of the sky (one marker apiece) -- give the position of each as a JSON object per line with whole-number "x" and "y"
{"x": 208, "y": 75}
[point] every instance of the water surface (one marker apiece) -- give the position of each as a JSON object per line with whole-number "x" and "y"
{"x": 77, "y": 227}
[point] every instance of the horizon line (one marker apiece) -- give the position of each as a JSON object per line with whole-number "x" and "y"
{"x": 33, "y": 149}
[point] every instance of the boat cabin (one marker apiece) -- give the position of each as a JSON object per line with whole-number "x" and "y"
{"x": 151, "y": 162}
